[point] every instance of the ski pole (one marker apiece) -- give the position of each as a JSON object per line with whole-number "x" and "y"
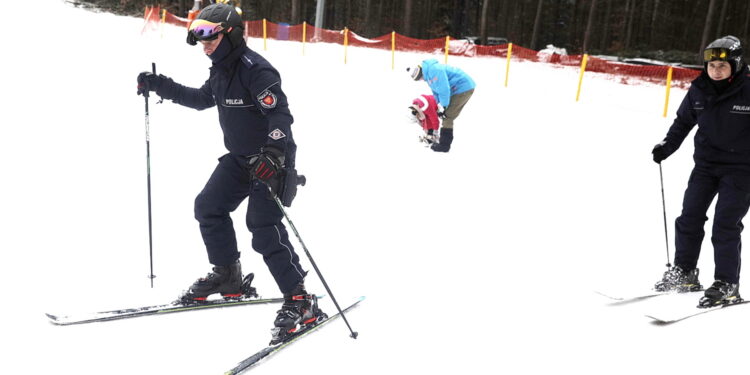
{"x": 148, "y": 184}
{"x": 315, "y": 266}
{"x": 664, "y": 212}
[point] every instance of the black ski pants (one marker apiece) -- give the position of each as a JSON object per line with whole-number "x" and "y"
{"x": 733, "y": 190}
{"x": 227, "y": 187}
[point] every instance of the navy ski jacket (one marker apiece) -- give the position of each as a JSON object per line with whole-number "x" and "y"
{"x": 723, "y": 135}
{"x": 253, "y": 110}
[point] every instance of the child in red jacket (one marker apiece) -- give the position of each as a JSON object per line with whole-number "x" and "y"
{"x": 424, "y": 110}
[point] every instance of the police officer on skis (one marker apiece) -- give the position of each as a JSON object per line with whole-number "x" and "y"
{"x": 256, "y": 122}
{"x": 719, "y": 102}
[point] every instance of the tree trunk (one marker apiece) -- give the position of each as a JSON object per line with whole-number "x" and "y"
{"x": 368, "y": 24}
{"x": 483, "y": 21}
{"x": 537, "y": 22}
{"x": 407, "y": 18}
{"x": 722, "y": 19}
{"x": 654, "y": 27}
{"x": 295, "y": 19}
{"x": 604, "y": 43}
{"x": 379, "y": 19}
{"x": 707, "y": 26}
{"x": 589, "y": 27}
{"x": 631, "y": 15}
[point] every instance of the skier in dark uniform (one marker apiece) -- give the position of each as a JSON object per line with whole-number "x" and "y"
{"x": 719, "y": 102}
{"x": 256, "y": 122}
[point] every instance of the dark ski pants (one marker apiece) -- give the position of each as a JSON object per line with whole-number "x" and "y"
{"x": 457, "y": 104}
{"x": 733, "y": 189}
{"x": 228, "y": 186}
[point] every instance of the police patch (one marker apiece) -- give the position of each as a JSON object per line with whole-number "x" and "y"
{"x": 267, "y": 99}
{"x": 276, "y": 134}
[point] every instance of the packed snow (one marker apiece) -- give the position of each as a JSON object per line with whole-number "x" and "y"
{"x": 484, "y": 260}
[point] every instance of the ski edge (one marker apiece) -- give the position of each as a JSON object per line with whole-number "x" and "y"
{"x": 103, "y": 316}
{"x": 666, "y": 321}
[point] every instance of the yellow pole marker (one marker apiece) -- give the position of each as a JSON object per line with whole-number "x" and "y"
{"x": 507, "y": 63}
{"x": 393, "y": 50}
{"x": 447, "y": 47}
{"x": 346, "y": 41}
{"x": 265, "y": 48}
{"x": 580, "y": 75}
{"x": 304, "y": 36}
{"x": 163, "y": 20}
{"x": 669, "y": 85}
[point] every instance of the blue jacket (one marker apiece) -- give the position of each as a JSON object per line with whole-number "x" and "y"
{"x": 445, "y": 80}
{"x": 253, "y": 110}
{"x": 723, "y": 135}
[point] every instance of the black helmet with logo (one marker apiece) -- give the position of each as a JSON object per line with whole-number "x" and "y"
{"x": 217, "y": 19}
{"x": 727, "y": 48}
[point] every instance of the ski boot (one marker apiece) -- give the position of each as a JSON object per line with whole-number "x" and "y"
{"x": 720, "y": 293}
{"x": 226, "y": 280}
{"x": 299, "y": 311}
{"x": 677, "y": 279}
{"x": 446, "y": 138}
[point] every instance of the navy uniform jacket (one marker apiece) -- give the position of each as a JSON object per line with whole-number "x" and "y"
{"x": 723, "y": 136}
{"x": 253, "y": 110}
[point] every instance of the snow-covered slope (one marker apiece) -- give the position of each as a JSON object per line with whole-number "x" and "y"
{"x": 480, "y": 261}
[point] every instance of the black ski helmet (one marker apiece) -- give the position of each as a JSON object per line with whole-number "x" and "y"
{"x": 228, "y": 17}
{"x": 727, "y": 48}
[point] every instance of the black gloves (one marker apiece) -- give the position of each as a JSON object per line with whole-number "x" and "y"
{"x": 661, "y": 152}
{"x": 441, "y": 111}
{"x": 268, "y": 167}
{"x": 148, "y": 81}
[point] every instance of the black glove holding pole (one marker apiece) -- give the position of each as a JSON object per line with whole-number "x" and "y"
{"x": 267, "y": 166}
{"x": 661, "y": 151}
{"x": 148, "y": 81}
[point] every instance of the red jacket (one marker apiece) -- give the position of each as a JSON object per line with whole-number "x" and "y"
{"x": 426, "y": 108}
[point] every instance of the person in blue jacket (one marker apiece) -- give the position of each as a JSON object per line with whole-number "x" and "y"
{"x": 256, "y": 122}
{"x": 452, "y": 89}
{"x": 719, "y": 102}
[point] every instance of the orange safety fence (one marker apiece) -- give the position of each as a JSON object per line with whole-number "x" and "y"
{"x": 621, "y": 72}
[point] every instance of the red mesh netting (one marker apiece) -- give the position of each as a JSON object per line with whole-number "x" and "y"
{"x": 623, "y": 72}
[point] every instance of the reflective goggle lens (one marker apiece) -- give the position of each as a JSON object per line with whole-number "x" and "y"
{"x": 205, "y": 30}
{"x": 712, "y": 54}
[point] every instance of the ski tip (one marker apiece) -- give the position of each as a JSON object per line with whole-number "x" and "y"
{"x": 608, "y": 296}
{"x": 659, "y": 321}
{"x": 54, "y": 319}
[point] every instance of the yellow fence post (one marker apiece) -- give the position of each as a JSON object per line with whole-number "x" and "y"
{"x": 346, "y": 41}
{"x": 393, "y": 50}
{"x": 580, "y": 75}
{"x": 447, "y": 47}
{"x": 507, "y": 62}
{"x": 669, "y": 85}
{"x": 264, "y": 35}
{"x": 304, "y": 36}
{"x": 163, "y": 20}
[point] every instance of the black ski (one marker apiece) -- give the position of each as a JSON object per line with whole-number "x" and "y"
{"x": 173, "y": 307}
{"x": 266, "y": 352}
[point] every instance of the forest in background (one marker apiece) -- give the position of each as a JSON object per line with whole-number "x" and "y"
{"x": 667, "y": 30}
